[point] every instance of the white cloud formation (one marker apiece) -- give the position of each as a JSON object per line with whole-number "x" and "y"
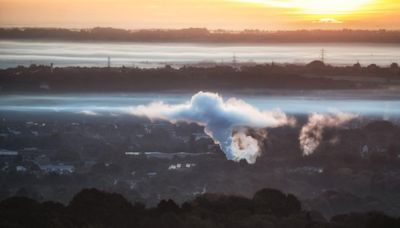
{"x": 223, "y": 121}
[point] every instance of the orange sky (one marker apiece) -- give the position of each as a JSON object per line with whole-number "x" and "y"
{"x": 225, "y": 14}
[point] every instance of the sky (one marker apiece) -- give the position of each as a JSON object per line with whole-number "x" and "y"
{"x": 212, "y": 14}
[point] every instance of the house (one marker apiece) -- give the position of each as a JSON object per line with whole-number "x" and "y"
{"x": 364, "y": 151}
{"x": 58, "y": 168}
{"x": 21, "y": 168}
{"x": 151, "y": 174}
{"x": 4, "y": 152}
{"x": 8, "y": 155}
{"x": 180, "y": 166}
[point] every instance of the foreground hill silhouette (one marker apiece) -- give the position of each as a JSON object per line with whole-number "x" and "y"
{"x": 95, "y": 208}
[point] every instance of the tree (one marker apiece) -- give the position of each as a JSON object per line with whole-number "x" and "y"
{"x": 22, "y": 212}
{"x": 394, "y": 66}
{"x": 274, "y": 202}
{"x": 316, "y": 65}
{"x": 168, "y": 206}
{"x": 101, "y": 208}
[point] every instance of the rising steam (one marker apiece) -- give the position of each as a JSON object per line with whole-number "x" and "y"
{"x": 228, "y": 122}
{"x": 311, "y": 133}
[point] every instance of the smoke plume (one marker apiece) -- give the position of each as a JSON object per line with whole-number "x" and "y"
{"x": 226, "y": 122}
{"x": 311, "y": 133}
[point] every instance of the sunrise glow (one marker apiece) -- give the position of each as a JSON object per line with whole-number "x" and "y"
{"x": 212, "y": 14}
{"x": 319, "y": 7}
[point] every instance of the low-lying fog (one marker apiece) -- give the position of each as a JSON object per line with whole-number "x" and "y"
{"x": 380, "y": 104}
{"x": 14, "y": 53}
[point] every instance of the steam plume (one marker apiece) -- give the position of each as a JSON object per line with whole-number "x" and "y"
{"x": 224, "y": 121}
{"x": 311, "y": 133}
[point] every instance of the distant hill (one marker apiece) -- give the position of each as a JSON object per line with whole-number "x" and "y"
{"x": 39, "y": 78}
{"x": 203, "y": 35}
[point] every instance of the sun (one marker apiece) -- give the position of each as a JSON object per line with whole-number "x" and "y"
{"x": 316, "y": 7}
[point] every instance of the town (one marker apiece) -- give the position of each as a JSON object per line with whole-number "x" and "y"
{"x": 52, "y": 157}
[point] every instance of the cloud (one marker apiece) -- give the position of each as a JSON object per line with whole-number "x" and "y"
{"x": 226, "y": 122}
{"x": 311, "y": 133}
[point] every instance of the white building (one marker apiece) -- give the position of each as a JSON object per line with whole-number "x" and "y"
{"x": 364, "y": 151}
{"x": 59, "y": 168}
{"x": 4, "y": 152}
{"x": 20, "y": 168}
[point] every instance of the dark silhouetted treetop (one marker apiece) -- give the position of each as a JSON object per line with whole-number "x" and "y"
{"x": 102, "y": 208}
{"x": 98, "y": 209}
{"x": 275, "y": 202}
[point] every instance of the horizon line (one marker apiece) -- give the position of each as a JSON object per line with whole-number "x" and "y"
{"x": 196, "y": 27}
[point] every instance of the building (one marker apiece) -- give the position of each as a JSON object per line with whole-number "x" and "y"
{"x": 59, "y": 168}
{"x": 21, "y": 168}
{"x": 8, "y": 155}
{"x": 4, "y": 152}
{"x": 364, "y": 151}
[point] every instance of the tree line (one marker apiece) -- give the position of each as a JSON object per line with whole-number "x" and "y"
{"x": 45, "y": 78}
{"x": 95, "y": 208}
{"x": 202, "y": 35}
